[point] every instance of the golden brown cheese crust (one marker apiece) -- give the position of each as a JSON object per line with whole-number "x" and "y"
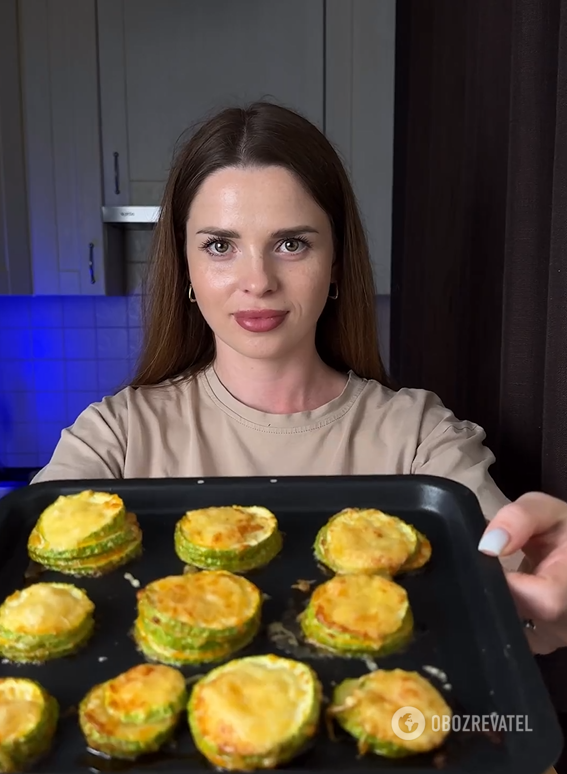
{"x": 96, "y": 717}
{"x": 114, "y": 555}
{"x": 45, "y": 609}
{"x": 367, "y": 540}
{"x": 211, "y": 599}
{"x": 141, "y": 689}
{"x": 368, "y": 607}
{"x": 72, "y": 519}
{"x": 228, "y": 527}
{"x": 129, "y": 529}
{"x": 421, "y": 556}
{"x": 21, "y": 709}
{"x": 251, "y": 707}
{"x": 384, "y": 692}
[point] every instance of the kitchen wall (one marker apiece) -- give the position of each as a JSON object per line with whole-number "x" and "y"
{"x": 95, "y": 97}
{"x": 58, "y": 354}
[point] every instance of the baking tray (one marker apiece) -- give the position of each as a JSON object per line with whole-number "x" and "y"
{"x": 469, "y": 641}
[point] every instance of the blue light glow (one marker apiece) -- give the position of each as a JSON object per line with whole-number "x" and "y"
{"x": 56, "y": 357}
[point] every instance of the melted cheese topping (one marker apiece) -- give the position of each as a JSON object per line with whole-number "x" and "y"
{"x": 227, "y": 527}
{"x": 366, "y": 540}
{"x": 129, "y": 529}
{"x": 21, "y": 708}
{"x": 45, "y": 608}
{"x": 370, "y": 607}
{"x": 212, "y": 599}
{"x": 383, "y": 692}
{"x": 421, "y": 556}
{"x": 109, "y": 557}
{"x": 252, "y": 705}
{"x": 143, "y": 689}
{"x": 94, "y": 715}
{"x": 72, "y": 519}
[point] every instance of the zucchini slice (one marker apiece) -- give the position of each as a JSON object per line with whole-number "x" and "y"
{"x": 365, "y": 540}
{"x": 255, "y": 713}
{"x": 365, "y": 707}
{"x": 421, "y": 556}
{"x": 358, "y": 615}
{"x": 105, "y": 732}
{"x": 114, "y": 550}
{"x": 28, "y": 720}
{"x": 146, "y": 694}
{"x": 234, "y": 538}
{"x": 187, "y": 655}
{"x": 45, "y": 621}
{"x": 39, "y": 548}
{"x": 74, "y": 519}
{"x": 197, "y": 618}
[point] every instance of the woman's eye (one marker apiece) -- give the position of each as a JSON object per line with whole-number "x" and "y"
{"x": 293, "y": 245}
{"x": 219, "y": 247}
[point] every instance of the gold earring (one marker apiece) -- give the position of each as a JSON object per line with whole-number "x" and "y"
{"x": 336, "y": 295}
{"x": 191, "y": 294}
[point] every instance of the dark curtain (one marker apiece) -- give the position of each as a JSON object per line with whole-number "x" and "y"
{"x": 479, "y": 273}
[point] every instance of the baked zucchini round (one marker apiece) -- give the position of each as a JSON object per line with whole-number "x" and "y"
{"x": 197, "y": 618}
{"x": 45, "y": 621}
{"x": 366, "y": 540}
{"x": 146, "y": 693}
{"x": 255, "y": 713}
{"x": 73, "y": 519}
{"x": 234, "y": 538}
{"x": 185, "y": 655}
{"x": 421, "y": 556}
{"x": 101, "y": 564}
{"x": 358, "y": 615}
{"x": 134, "y": 713}
{"x": 372, "y": 708}
{"x": 28, "y": 720}
{"x": 85, "y": 534}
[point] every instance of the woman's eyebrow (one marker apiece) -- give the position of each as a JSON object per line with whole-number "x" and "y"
{"x": 283, "y": 233}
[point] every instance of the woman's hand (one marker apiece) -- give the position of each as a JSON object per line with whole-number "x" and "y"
{"x": 536, "y": 524}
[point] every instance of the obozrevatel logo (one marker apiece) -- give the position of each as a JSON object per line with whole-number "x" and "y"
{"x": 408, "y": 723}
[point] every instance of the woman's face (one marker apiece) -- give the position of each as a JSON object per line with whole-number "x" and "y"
{"x": 260, "y": 253}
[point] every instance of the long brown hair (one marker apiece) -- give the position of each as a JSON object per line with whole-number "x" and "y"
{"x": 178, "y": 341}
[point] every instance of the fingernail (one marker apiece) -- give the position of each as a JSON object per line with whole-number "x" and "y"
{"x": 494, "y": 541}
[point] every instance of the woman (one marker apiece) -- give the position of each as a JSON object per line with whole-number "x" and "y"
{"x": 261, "y": 354}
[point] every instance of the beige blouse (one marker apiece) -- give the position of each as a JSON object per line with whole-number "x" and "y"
{"x": 196, "y": 428}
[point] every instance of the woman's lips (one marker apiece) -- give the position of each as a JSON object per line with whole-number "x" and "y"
{"x": 260, "y": 320}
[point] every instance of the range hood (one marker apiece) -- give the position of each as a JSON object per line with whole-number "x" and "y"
{"x": 130, "y": 215}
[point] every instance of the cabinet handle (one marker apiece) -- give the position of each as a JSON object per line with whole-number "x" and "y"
{"x": 91, "y": 262}
{"x": 116, "y": 174}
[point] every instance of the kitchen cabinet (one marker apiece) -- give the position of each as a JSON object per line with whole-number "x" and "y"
{"x": 59, "y": 74}
{"x": 167, "y": 64}
{"x": 15, "y": 270}
{"x": 100, "y": 93}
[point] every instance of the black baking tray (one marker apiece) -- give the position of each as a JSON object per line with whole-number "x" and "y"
{"x": 469, "y": 641}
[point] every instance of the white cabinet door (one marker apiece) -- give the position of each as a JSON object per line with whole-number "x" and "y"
{"x": 62, "y": 144}
{"x": 166, "y": 64}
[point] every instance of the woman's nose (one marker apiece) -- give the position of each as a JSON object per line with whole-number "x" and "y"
{"x": 258, "y": 276}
